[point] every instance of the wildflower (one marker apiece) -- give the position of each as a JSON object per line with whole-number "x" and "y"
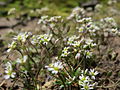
{"x": 9, "y": 71}
{"x": 83, "y": 79}
{"x": 65, "y": 52}
{"x": 87, "y": 20}
{"x": 22, "y": 60}
{"x": 88, "y": 41}
{"x": 93, "y": 44}
{"x": 92, "y": 28}
{"x": 55, "y": 67}
{"x": 76, "y": 43}
{"x": 87, "y": 86}
{"x": 88, "y": 54}
{"x": 81, "y": 29}
{"x": 93, "y": 73}
{"x": 45, "y": 38}
{"x": 34, "y": 39}
{"x": 12, "y": 46}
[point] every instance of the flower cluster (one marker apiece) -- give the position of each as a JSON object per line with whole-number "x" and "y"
{"x": 22, "y": 37}
{"x": 89, "y": 43}
{"x": 109, "y": 25}
{"x": 108, "y": 21}
{"x": 86, "y": 81}
{"x": 87, "y": 26}
{"x": 51, "y": 22}
{"x": 77, "y": 13}
{"x": 73, "y": 41}
{"x": 41, "y": 39}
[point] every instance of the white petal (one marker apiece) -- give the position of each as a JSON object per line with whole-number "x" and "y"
{"x": 7, "y": 76}
{"x": 13, "y": 74}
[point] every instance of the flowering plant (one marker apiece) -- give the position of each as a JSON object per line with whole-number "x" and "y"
{"x": 67, "y": 57}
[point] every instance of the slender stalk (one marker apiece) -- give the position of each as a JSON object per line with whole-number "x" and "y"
{"x": 62, "y": 80}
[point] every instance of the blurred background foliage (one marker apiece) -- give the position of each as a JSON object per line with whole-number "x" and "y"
{"x": 53, "y": 7}
{"x": 56, "y": 7}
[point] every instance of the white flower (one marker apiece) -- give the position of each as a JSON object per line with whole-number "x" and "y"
{"x": 88, "y": 41}
{"x": 88, "y": 54}
{"x": 87, "y": 86}
{"x": 85, "y": 20}
{"x": 65, "y": 52}
{"x": 55, "y": 67}
{"x": 9, "y": 71}
{"x": 45, "y": 38}
{"x": 81, "y": 29}
{"x": 89, "y": 19}
{"x": 84, "y": 78}
{"x": 12, "y": 46}
{"x": 76, "y": 43}
{"x": 92, "y": 28}
{"x": 34, "y": 40}
{"x": 22, "y": 60}
{"x": 93, "y": 44}
{"x": 93, "y": 73}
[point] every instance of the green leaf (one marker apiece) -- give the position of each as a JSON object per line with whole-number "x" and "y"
{"x": 109, "y": 73}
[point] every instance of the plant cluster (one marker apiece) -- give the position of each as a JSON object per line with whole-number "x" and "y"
{"x": 68, "y": 58}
